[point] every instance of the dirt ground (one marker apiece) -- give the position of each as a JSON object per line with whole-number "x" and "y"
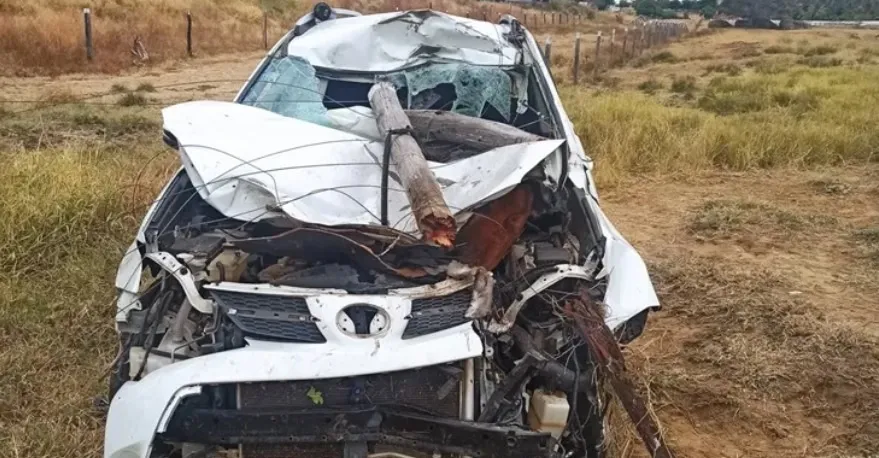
{"x": 217, "y": 78}
{"x": 767, "y": 342}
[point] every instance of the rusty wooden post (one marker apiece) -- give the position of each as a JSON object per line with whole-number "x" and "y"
{"x": 265, "y": 30}
{"x": 544, "y": 18}
{"x": 188, "y": 34}
{"x": 595, "y": 68}
{"x": 577, "y": 58}
{"x": 547, "y": 52}
{"x": 89, "y": 46}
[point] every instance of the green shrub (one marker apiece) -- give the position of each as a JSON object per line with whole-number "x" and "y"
{"x": 650, "y": 86}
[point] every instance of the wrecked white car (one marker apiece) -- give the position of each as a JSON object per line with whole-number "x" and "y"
{"x": 366, "y": 255}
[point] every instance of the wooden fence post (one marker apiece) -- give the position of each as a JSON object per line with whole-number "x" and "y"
{"x": 597, "y": 55}
{"x": 625, "y": 44}
{"x": 544, "y": 18}
{"x": 641, "y": 39}
{"x": 265, "y": 30}
{"x": 613, "y": 40}
{"x": 547, "y": 52}
{"x": 87, "y": 21}
{"x": 577, "y": 58}
{"x": 188, "y": 34}
{"x": 552, "y": 18}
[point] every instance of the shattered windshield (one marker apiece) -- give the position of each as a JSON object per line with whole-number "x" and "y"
{"x": 290, "y": 86}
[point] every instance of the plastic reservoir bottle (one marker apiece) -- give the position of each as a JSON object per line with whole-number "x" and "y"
{"x": 548, "y": 412}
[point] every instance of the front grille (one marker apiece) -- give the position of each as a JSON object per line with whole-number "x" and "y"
{"x": 267, "y": 316}
{"x": 434, "y": 389}
{"x": 434, "y": 314}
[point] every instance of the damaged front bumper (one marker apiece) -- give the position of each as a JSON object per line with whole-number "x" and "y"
{"x": 385, "y": 425}
{"x": 143, "y": 409}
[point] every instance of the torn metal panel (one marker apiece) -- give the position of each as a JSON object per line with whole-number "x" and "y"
{"x": 390, "y": 42}
{"x": 546, "y": 281}
{"x": 251, "y": 164}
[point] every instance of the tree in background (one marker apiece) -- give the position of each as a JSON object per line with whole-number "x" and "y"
{"x": 602, "y": 4}
{"x": 852, "y": 10}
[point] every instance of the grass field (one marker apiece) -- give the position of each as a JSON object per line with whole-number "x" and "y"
{"x": 741, "y": 165}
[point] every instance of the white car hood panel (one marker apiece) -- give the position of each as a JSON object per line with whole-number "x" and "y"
{"x": 250, "y": 164}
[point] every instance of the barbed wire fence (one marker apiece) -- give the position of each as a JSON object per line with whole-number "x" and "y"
{"x": 613, "y": 46}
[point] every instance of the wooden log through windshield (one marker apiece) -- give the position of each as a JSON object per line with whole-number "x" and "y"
{"x": 479, "y": 134}
{"x": 429, "y": 208}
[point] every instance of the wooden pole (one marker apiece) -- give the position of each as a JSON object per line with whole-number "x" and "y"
{"x": 552, "y": 18}
{"x": 429, "y": 208}
{"x": 89, "y": 46}
{"x": 265, "y": 30}
{"x": 479, "y": 134}
{"x": 547, "y": 52}
{"x": 577, "y": 58}
{"x": 613, "y": 40}
{"x": 641, "y": 43}
{"x": 595, "y": 68}
{"x": 188, "y": 34}
{"x": 608, "y": 358}
{"x": 625, "y": 43}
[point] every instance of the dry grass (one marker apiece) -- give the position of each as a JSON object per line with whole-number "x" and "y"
{"x": 763, "y": 348}
{"x": 735, "y": 113}
{"x": 72, "y": 200}
{"x": 45, "y": 37}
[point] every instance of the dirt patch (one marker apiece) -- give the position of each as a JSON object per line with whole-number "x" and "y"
{"x": 768, "y": 349}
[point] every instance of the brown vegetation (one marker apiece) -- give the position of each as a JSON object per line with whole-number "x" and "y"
{"x": 46, "y": 37}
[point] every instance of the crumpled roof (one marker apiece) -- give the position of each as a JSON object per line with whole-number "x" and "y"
{"x": 394, "y": 41}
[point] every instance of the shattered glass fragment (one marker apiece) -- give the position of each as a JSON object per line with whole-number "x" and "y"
{"x": 289, "y": 87}
{"x": 474, "y": 87}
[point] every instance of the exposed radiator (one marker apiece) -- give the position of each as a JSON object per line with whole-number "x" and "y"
{"x": 433, "y": 389}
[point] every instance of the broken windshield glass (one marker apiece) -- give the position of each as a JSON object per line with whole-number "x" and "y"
{"x": 289, "y": 87}
{"x": 474, "y": 87}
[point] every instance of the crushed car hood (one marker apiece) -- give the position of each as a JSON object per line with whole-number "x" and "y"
{"x": 393, "y": 41}
{"x": 252, "y": 164}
